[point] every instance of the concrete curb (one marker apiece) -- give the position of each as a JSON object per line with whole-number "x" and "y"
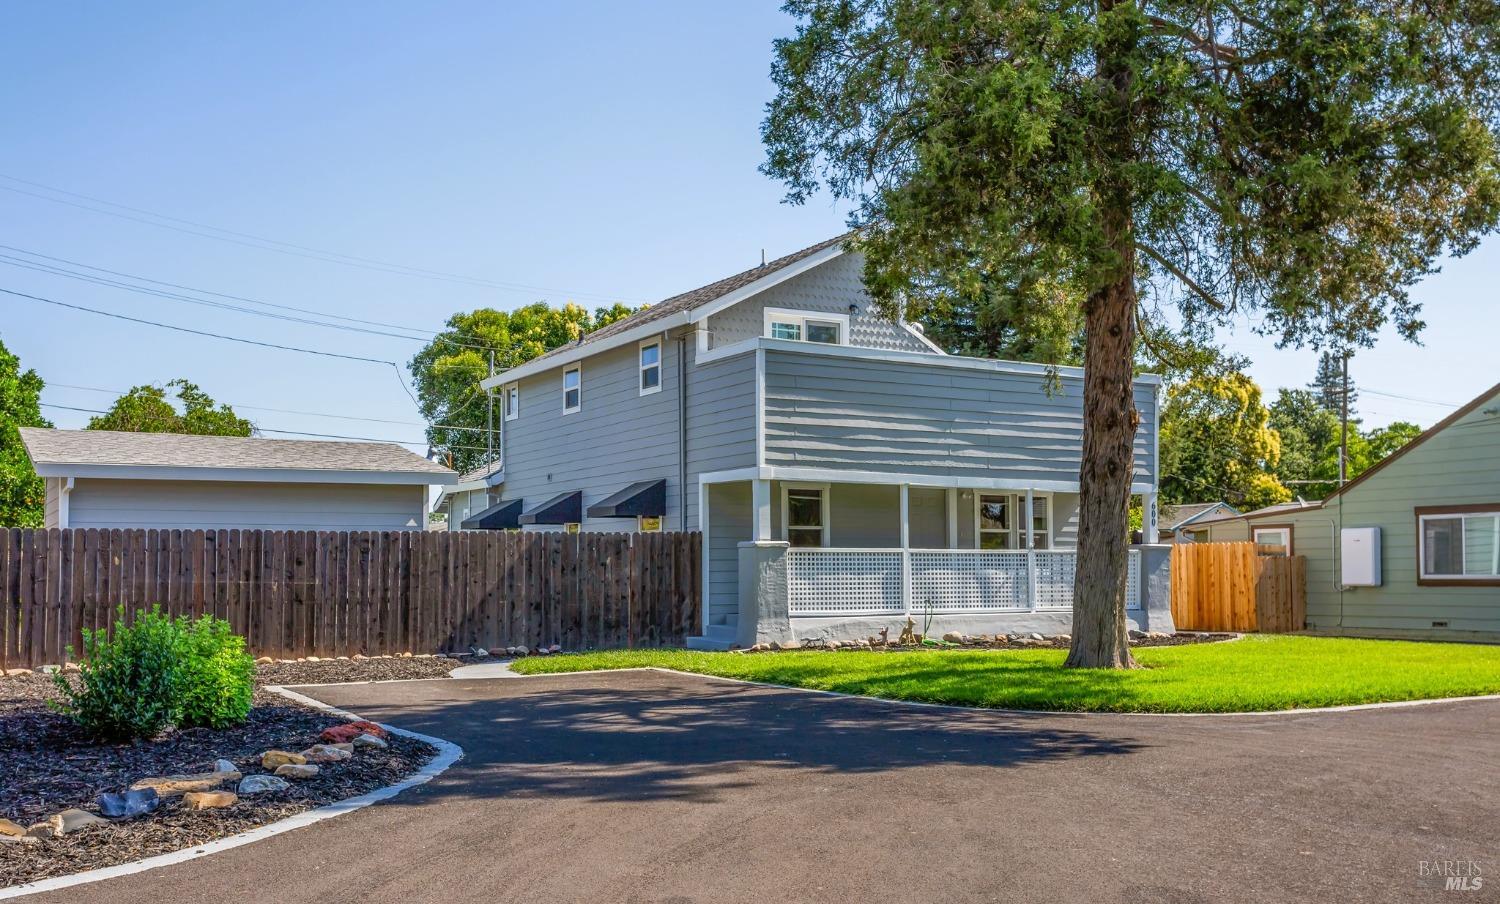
{"x": 448, "y": 754}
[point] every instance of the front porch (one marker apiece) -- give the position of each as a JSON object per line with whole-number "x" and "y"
{"x": 809, "y": 560}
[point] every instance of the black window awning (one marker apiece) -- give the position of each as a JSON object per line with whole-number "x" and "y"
{"x": 644, "y": 499}
{"x": 564, "y": 508}
{"x": 500, "y": 516}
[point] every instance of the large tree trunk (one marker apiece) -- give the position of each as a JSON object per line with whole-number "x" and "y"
{"x": 1109, "y": 425}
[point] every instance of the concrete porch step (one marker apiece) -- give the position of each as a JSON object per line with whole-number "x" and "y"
{"x": 714, "y": 637}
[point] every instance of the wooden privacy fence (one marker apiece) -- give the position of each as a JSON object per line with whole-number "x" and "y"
{"x": 1237, "y": 587}
{"x": 322, "y": 593}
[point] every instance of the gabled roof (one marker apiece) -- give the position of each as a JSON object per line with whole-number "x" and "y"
{"x": 1175, "y": 516}
{"x": 1421, "y": 438}
{"x": 679, "y": 309}
{"x": 108, "y": 453}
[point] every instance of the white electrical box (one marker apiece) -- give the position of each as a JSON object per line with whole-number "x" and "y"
{"x": 1359, "y": 554}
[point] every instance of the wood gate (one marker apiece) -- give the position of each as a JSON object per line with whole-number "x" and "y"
{"x": 1237, "y": 587}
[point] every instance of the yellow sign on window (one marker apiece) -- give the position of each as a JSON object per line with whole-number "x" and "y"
{"x": 572, "y": 527}
{"x": 650, "y": 524}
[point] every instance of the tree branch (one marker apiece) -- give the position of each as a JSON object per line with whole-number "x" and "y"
{"x": 1183, "y": 277}
{"x": 1215, "y": 50}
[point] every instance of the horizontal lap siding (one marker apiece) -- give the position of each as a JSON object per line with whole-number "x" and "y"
{"x": 720, "y": 421}
{"x": 204, "y": 504}
{"x": 617, "y": 437}
{"x": 908, "y": 418}
{"x": 729, "y": 517}
{"x": 1458, "y": 466}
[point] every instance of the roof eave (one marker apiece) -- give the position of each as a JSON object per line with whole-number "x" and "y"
{"x": 242, "y": 475}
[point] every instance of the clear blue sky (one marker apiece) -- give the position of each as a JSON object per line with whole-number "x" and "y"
{"x": 599, "y": 150}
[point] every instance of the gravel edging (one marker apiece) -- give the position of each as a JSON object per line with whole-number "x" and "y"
{"x": 46, "y": 765}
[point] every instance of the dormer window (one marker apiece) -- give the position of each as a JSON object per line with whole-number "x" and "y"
{"x": 807, "y": 326}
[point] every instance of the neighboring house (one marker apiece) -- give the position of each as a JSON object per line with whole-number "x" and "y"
{"x": 1263, "y": 525}
{"x": 1179, "y": 523}
{"x": 104, "y": 479}
{"x": 844, "y": 471}
{"x": 1410, "y": 547}
{"x": 470, "y": 504}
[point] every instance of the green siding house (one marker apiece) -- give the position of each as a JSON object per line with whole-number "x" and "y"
{"x": 1431, "y": 569}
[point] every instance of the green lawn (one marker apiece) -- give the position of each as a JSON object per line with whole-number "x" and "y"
{"x": 1256, "y": 673}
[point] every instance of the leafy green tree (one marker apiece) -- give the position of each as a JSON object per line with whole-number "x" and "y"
{"x": 22, "y": 493}
{"x": 1305, "y": 163}
{"x": 147, "y": 409}
{"x": 1217, "y": 443}
{"x": 1309, "y": 443}
{"x": 447, "y": 370}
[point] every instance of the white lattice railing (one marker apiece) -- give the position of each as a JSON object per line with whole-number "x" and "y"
{"x": 850, "y": 582}
{"x": 836, "y": 582}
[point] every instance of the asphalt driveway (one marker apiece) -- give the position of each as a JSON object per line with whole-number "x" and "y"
{"x": 649, "y": 787}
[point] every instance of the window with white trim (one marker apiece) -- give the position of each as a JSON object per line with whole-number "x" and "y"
{"x": 650, "y": 361}
{"x": 1280, "y": 537}
{"x": 572, "y": 389}
{"x": 1460, "y": 545}
{"x": 807, "y": 326}
{"x": 512, "y": 401}
{"x": 804, "y": 513}
{"x": 998, "y": 518}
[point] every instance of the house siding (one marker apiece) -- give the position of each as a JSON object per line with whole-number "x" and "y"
{"x": 729, "y": 524}
{"x": 204, "y": 504}
{"x": 720, "y": 416}
{"x": 901, "y": 417}
{"x": 617, "y": 436}
{"x": 830, "y": 289}
{"x": 1456, "y": 466}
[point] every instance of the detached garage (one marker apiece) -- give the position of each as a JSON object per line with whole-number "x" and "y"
{"x": 103, "y": 479}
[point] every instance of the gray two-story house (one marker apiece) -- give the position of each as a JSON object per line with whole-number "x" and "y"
{"x": 845, "y": 472}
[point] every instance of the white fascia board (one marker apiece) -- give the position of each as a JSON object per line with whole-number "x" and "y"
{"x": 838, "y": 475}
{"x": 927, "y": 359}
{"x": 663, "y": 324}
{"x": 467, "y": 486}
{"x": 573, "y": 353}
{"x": 733, "y": 350}
{"x": 244, "y": 475}
{"x": 922, "y": 338}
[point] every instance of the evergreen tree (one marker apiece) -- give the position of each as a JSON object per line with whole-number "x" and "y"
{"x": 1328, "y": 384}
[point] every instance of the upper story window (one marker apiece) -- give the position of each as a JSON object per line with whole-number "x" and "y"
{"x": 572, "y": 389}
{"x": 807, "y": 326}
{"x": 512, "y": 402}
{"x": 650, "y": 366}
{"x": 1461, "y": 544}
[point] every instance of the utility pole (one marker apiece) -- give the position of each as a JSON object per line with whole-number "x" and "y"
{"x": 1344, "y": 424}
{"x": 489, "y": 418}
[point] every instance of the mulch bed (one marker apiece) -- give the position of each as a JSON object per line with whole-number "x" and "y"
{"x": 379, "y": 668}
{"x": 46, "y": 765}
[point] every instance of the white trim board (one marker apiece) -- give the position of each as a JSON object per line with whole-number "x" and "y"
{"x": 962, "y": 482}
{"x": 448, "y": 754}
{"x": 244, "y": 475}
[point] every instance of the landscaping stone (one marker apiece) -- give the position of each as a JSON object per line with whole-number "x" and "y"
{"x": 326, "y": 753}
{"x": 263, "y": 660}
{"x": 297, "y": 770}
{"x": 479, "y": 651}
{"x": 788, "y": 645}
{"x": 275, "y": 759}
{"x": 15, "y": 673}
{"x": 10, "y": 829}
{"x": 1137, "y": 635}
{"x": 19, "y": 839}
{"x": 369, "y": 740}
{"x": 953, "y": 637}
{"x": 65, "y": 823}
{"x": 210, "y": 800}
{"x": 128, "y": 804}
{"x": 261, "y": 784}
{"x": 343, "y": 734}
{"x": 173, "y": 785}
{"x": 222, "y": 765}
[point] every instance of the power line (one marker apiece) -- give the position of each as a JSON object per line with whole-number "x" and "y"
{"x": 263, "y": 243}
{"x": 237, "y": 405}
{"x": 1392, "y": 395}
{"x": 159, "y": 293}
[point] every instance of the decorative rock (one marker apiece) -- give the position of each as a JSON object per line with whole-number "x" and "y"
{"x": 343, "y": 734}
{"x": 788, "y": 645}
{"x": 1137, "y": 635}
{"x": 406, "y": 655}
{"x": 1035, "y": 636}
{"x": 359, "y": 657}
{"x": 555, "y": 648}
{"x": 481, "y": 652}
{"x": 260, "y": 784}
{"x": 128, "y": 804}
{"x": 10, "y": 829}
{"x": 296, "y": 770}
{"x": 326, "y": 753}
{"x": 1158, "y": 635}
{"x": 17, "y": 672}
{"x": 222, "y": 765}
{"x": 953, "y": 637}
{"x": 314, "y": 659}
{"x": 369, "y": 740}
{"x": 173, "y": 785}
{"x": 275, "y": 759}
{"x": 19, "y": 839}
{"x": 264, "y": 660}
{"x": 210, "y": 800}
{"x": 1064, "y": 638}
{"x": 65, "y": 823}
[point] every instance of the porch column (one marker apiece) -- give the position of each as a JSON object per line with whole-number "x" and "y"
{"x": 760, "y": 501}
{"x": 1030, "y": 553}
{"x": 1148, "y": 519}
{"x": 952, "y": 510}
{"x": 906, "y": 548}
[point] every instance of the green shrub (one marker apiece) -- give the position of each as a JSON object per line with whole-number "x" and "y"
{"x": 219, "y": 683}
{"x": 130, "y": 681}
